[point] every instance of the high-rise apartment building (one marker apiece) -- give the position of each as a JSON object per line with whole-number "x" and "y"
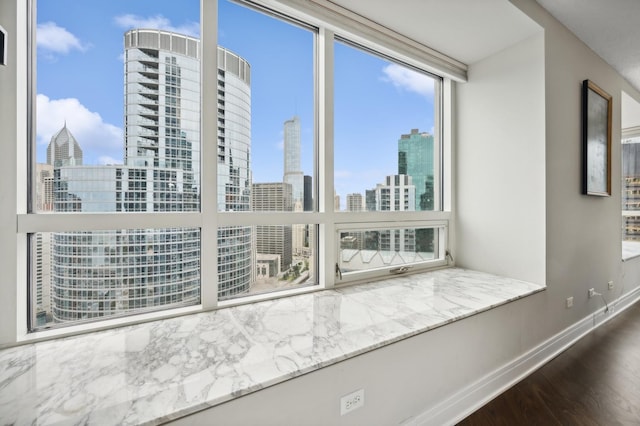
{"x": 99, "y": 273}
{"x": 163, "y": 102}
{"x": 416, "y": 159}
{"x": 292, "y": 158}
{"x": 355, "y": 202}
{"x": 397, "y": 193}
{"x": 42, "y": 244}
{"x": 236, "y": 264}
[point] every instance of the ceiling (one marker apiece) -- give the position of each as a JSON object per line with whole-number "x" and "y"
{"x": 465, "y": 30}
{"x": 469, "y": 30}
{"x": 611, "y": 28}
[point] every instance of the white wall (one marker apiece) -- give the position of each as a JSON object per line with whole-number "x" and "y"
{"x": 520, "y": 212}
{"x": 583, "y": 233}
{"x": 400, "y": 380}
{"x": 500, "y": 164}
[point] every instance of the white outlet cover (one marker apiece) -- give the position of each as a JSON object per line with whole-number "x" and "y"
{"x": 351, "y": 402}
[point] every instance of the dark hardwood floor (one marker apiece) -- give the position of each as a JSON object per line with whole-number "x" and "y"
{"x": 595, "y": 382}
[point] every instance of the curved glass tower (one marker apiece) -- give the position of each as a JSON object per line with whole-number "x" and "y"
{"x": 103, "y": 273}
{"x": 235, "y": 243}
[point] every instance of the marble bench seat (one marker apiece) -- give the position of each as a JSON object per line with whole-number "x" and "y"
{"x": 156, "y": 371}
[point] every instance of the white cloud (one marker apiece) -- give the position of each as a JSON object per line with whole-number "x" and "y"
{"x": 157, "y": 22}
{"x": 54, "y": 39}
{"x": 99, "y": 141}
{"x": 406, "y": 79}
{"x": 105, "y": 160}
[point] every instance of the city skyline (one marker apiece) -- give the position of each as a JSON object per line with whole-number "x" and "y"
{"x": 71, "y": 46}
{"x": 103, "y": 273}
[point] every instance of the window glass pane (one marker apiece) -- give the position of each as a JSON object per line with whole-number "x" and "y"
{"x": 265, "y": 146}
{"x": 282, "y": 257}
{"x": 117, "y": 130}
{"x": 87, "y": 275}
{"x": 118, "y": 110}
{"x": 386, "y": 156}
{"x": 265, "y": 112}
{"x": 631, "y": 196}
{"x": 369, "y": 249}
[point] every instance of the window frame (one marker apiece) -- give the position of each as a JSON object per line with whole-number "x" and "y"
{"x": 331, "y": 22}
{"x": 628, "y": 248}
{"x": 367, "y": 275}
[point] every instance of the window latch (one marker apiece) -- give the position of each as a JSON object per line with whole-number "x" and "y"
{"x": 400, "y": 270}
{"x": 338, "y": 272}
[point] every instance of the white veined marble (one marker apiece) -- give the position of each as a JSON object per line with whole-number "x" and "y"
{"x": 153, "y": 372}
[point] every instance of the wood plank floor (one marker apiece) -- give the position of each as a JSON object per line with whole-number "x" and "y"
{"x": 595, "y": 382}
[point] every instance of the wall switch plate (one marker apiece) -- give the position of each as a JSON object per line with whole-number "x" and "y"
{"x": 351, "y": 402}
{"x": 610, "y": 285}
{"x": 569, "y": 302}
{"x": 592, "y": 292}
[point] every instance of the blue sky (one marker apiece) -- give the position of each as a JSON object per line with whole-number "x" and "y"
{"x": 80, "y": 80}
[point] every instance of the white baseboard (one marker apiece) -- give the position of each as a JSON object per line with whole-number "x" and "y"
{"x": 472, "y": 397}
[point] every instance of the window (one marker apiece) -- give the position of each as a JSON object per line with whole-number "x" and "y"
{"x": 364, "y": 250}
{"x": 176, "y": 168}
{"x": 266, "y": 150}
{"x": 385, "y": 118}
{"x": 630, "y": 193}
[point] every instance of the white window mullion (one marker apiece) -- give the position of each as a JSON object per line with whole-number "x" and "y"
{"x": 208, "y": 146}
{"x": 327, "y": 254}
{"x": 448, "y": 166}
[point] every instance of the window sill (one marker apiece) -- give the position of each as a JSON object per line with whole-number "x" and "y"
{"x": 162, "y": 370}
{"x": 630, "y": 250}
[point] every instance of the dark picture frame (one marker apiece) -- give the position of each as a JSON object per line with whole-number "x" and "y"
{"x": 596, "y": 140}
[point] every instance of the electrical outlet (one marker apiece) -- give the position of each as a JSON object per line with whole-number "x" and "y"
{"x": 351, "y": 402}
{"x": 610, "y": 284}
{"x": 569, "y": 302}
{"x": 592, "y": 292}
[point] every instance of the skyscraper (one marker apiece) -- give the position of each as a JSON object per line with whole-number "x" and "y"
{"x": 273, "y": 239}
{"x": 98, "y": 273}
{"x": 63, "y": 149}
{"x": 101, "y": 273}
{"x": 415, "y": 159}
{"x": 236, "y": 265}
{"x": 292, "y": 159}
{"x": 42, "y": 244}
{"x": 307, "y": 205}
{"x": 355, "y": 202}
{"x": 162, "y": 109}
{"x": 397, "y": 194}
{"x": 163, "y": 130}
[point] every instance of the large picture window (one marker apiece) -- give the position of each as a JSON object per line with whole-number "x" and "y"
{"x": 386, "y": 147}
{"x": 176, "y": 165}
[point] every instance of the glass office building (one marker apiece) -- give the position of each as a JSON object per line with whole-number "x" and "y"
{"x": 416, "y": 159}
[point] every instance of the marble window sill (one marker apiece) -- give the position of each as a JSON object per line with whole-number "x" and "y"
{"x": 157, "y": 371}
